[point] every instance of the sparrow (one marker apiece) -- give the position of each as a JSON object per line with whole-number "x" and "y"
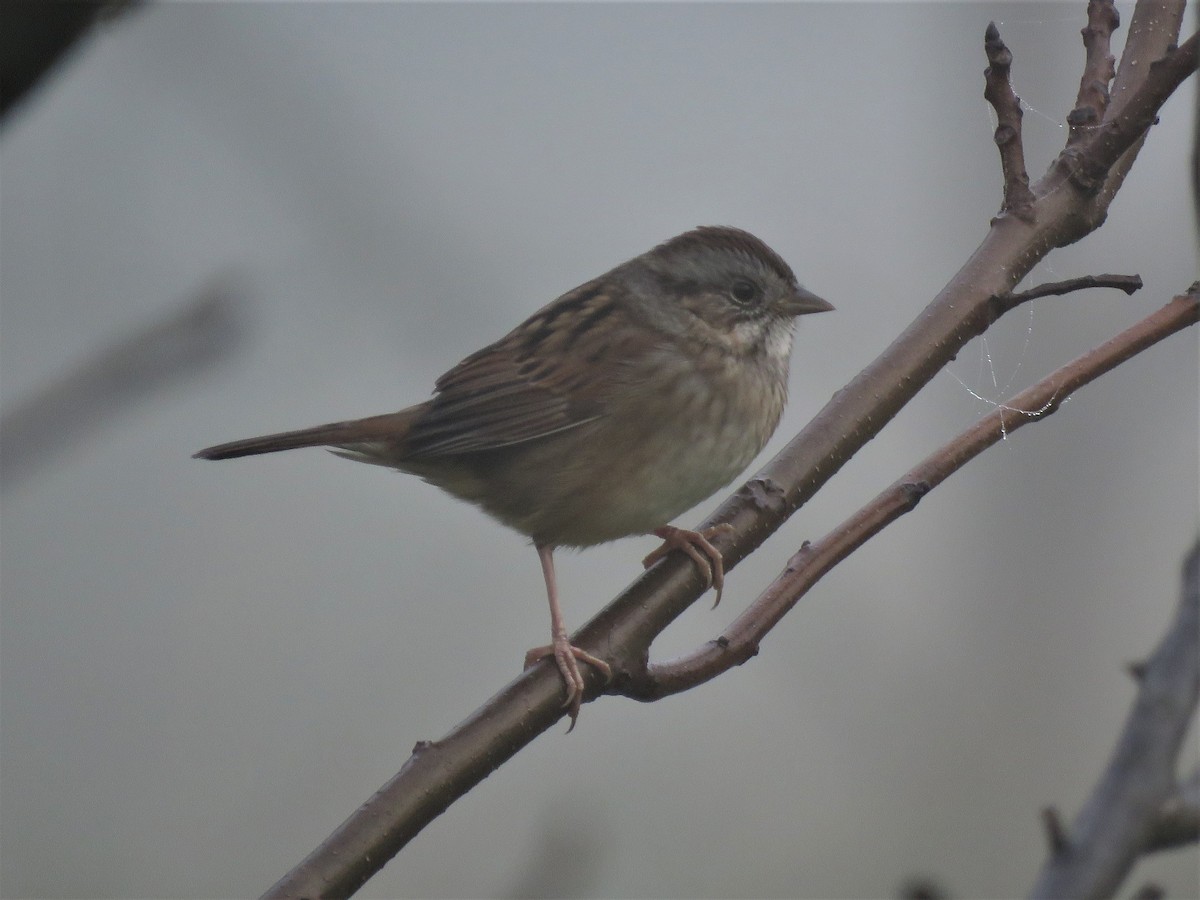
{"x": 606, "y": 413}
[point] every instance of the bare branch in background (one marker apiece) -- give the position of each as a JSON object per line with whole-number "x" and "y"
{"x": 68, "y": 411}
{"x": 1119, "y": 820}
{"x": 37, "y": 35}
{"x": 1178, "y": 821}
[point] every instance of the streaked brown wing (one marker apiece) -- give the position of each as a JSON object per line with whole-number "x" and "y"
{"x": 551, "y": 373}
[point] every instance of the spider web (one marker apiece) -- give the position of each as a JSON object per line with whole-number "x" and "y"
{"x": 992, "y": 392}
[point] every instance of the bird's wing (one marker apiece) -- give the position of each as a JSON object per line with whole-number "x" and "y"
{"x": 553, "y": 372}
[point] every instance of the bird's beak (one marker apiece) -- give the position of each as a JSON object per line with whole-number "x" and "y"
{"x": 803, "y": 302}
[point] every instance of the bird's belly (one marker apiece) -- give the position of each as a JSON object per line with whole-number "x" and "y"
{"x": 632, "y": 474}
{"x": 630, "y": 471}
{"x": 653, "y": 483}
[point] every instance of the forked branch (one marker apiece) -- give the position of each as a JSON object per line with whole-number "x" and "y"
{"x": 1089, "y": 168}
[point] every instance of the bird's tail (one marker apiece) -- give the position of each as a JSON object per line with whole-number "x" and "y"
{"x": 390, "y": 428}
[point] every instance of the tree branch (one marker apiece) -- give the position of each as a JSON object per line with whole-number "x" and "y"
{"x": 1117, "y": 823}
{"x": 1151, "y": 68}
{"x": 1090, "y": 168}
{"x": 1127, "y": 283}
{"x": 1098, "y": 70}
{"x": 61, "y": 414}
{"x": 1153, "y": 31}
{"x": 1018, "y": 199}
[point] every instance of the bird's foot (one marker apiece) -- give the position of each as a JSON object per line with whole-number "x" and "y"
{"x": 568, "y": 657}
{"x": 697, "y": 545}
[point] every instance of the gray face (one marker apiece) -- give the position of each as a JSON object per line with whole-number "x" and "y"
{"x": 724, "y": 283}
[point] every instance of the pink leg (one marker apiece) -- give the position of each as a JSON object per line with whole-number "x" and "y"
{"x": 698, "y": 546}
{"x": 565, "y": 654}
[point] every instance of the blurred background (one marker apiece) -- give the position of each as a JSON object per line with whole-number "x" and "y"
{"x": 220, "y": 220}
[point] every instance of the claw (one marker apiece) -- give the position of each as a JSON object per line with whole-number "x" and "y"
{"x": 698, "y": 546}
{"x": 568, "y": 657}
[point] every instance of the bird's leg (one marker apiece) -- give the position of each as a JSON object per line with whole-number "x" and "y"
{"x": 564, "y": 652}
{"x": 697, "y": 545}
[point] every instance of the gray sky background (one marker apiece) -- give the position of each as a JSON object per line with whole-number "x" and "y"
{"x": 204, "y": 668}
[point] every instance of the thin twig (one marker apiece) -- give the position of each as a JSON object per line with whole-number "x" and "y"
{"x": 1130, "y": 284}
{"x": 1057, "y": 841}
{"x": 1098, "y": 70}
{"x": 1018, "y": 198}
{"x": 739, "y": 642}
{"x": 1115, "y": 825}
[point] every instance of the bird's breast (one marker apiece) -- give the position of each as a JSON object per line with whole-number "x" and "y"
{"x": 660, "y": 448}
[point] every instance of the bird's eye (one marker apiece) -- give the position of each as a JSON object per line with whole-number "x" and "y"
{"x": 744, "y": 292}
